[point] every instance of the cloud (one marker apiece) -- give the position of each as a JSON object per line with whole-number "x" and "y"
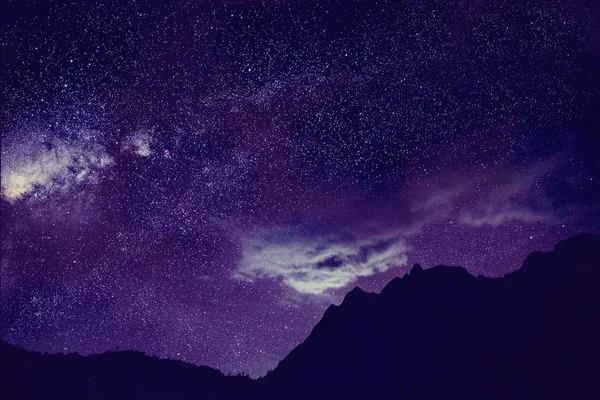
{"x": 39, "y": 167}
{"x": 492, "y": 196}
{"x": 138, "y": 142}
{"x": 522, "y": 197}
{"x": 315, "y": 264}
{"x": 498, "y": 216}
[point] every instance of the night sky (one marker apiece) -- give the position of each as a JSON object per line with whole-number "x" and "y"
{"x": 201, "y": 179}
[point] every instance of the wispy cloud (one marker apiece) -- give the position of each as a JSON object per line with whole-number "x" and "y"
{"x": 314, "y": 264}
{"x": 520, "y": 197}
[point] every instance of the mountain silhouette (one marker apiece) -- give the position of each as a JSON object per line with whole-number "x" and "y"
{"x": 111, "y": 375}
{"x": 438, "y": 333}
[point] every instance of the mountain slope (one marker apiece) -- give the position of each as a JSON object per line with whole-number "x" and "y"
{"x": 433, "y": 334}
{"x": 112, "y": 375}
{"x": 442, "y": 333}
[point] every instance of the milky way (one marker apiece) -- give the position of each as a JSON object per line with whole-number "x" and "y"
{"x": 200, "y": 180}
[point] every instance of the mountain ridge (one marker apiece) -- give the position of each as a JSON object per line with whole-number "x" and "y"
{"x": 416, "y": 307}
{"x": 433, "y": 333}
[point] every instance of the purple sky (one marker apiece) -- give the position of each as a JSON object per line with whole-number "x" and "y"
{"x": 201, "y": 181}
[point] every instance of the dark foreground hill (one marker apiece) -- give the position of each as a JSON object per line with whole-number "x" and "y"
{"x": 114, "y": 375}
{"x": 439, "y": 333}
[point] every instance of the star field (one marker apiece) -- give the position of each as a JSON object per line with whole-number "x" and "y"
{"x": 200, "y": 180}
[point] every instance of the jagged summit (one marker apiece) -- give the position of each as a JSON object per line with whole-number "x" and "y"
{"x": 357, "y": 294}
{"x": 418, "y": 277}
{"x": 444, "y": 333}
{"x": 356, "y": 291}
{"x": 416, "y": 269}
